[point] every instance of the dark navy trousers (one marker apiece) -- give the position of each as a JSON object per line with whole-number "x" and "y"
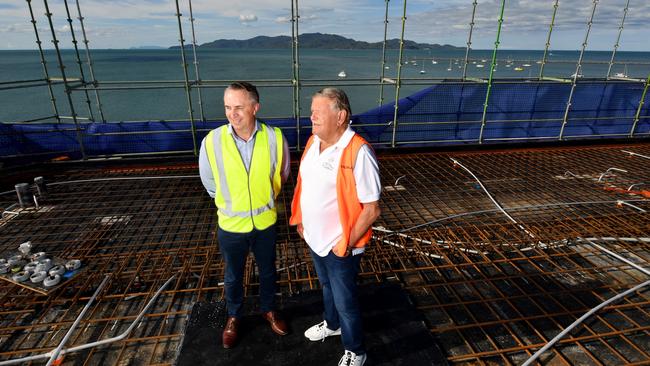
{"x": 338, "y": 278}
{"x": 234, "y": 249}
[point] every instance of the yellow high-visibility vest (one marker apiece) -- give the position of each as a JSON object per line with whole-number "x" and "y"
{"x": 246, "y": 199}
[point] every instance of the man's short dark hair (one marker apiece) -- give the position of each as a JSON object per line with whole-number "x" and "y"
{"x": 338, "y": 96}
{"x": 250, "y": 88}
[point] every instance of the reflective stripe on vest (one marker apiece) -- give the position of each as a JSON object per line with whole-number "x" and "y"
{"x": 246, "y": 199}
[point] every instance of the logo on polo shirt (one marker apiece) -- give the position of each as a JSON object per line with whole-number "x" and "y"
{"x": 329, "y": 164}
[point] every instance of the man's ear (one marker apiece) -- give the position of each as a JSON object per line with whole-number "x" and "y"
{"x": 256, "y": 108}
{"x": 341, "y": 118}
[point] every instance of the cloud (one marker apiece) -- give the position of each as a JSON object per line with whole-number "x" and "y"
{"x": 247, "y": 18}
{"x": 283, "y": 19}
{"x": 526, "y": 22}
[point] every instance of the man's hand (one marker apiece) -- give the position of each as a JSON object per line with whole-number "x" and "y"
{"x": 299, "y": 228}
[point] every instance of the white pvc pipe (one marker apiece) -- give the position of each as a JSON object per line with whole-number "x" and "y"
{"x": 595, "y": 309}
{"x": 97, "y": 343}
{"x": 57, "y": 350}
{"x": 580, "y": 320}
{"x": 624, "y": 260}
{"x": 493, "y": 200}
{"x": 635, "y": 154}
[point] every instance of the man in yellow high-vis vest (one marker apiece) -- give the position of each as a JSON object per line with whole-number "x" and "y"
{"x": 243, "y": 165}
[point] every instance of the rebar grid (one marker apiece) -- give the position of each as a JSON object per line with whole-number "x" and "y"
{"x": 491, "y": 291}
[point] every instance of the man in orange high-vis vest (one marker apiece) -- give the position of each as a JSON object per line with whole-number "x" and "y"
{"x": 334, "y": 205}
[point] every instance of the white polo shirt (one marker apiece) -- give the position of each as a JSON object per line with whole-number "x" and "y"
{"x": 320, "y": 210}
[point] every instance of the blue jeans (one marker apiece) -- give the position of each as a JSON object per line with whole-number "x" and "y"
{"x": 234, "y": 249}
{"x": 338, "y": 277}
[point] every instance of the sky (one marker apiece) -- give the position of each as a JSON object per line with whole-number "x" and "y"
{"x": 137, "y": 23}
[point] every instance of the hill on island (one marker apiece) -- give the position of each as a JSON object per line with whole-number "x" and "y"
{"x": 318, "y": 40}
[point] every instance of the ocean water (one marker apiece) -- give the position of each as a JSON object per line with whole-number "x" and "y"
{"x": 272, "y": 68}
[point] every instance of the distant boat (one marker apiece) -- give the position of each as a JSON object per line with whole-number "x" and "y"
{"x": 526, "y": 65}
{"x": 479, "y": 65}
{"x": 449, "y": 68}
{"x": 622, "y": 74}
{"x": 423, "y": 71}
{"x": 434, "y": 62}
{"x": 387, "y": 67}
{"x": 519, "y": 68}
{"x": 342, "y": 74}
{"x": 576, "y": 76}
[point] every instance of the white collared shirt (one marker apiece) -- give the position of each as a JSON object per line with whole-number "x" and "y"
{"x": 318, "y": 201}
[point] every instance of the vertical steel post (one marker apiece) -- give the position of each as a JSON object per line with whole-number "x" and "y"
{"x": 399, "y": 76}
{"x": 577, "y": 73}
{"x": 383, "y": 57}
{"x": 197, "y": 79}
{"x": 68, "y": 90}
{"x": 90, "y": 63}
{"x": 81, "y": 68}
{"x": 469, "y": 39}
{"x": 187, "y": 79}
{"x": 548, "y": 40}
{"x": 44, "y": 64}
{"x": 492, "y": 66}
{"x": 640, "y": 107}
{"x": 295, "y": 59}
{"x": 618, "y": 39}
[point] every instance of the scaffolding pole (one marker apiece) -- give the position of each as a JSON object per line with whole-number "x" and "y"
{"x": 469, "y": 39}
{"x": 577, "y": 73}
{"x": 383, "y": 58}
{"x": 90, "y": 63}
{"x": 399, "y": 76}
{"x": 295, "y": 63}
{"x": 68, "y": 90}
{"x": 44, "y": 63}
{"x": 492, "y": 66}
{"x": 197, "y": 79}
{"x": 548, "y": 40}
{"x": 82, "y": 75}
{"x": 640, "y": 107}
{"x": 187, "y": 79}
{"x": 618, "y": 39}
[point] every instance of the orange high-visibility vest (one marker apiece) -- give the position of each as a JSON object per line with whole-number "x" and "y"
{"x": 346, "y": 195}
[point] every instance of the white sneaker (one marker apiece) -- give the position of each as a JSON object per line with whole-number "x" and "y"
{"x": 320, "y": 331}
{"x": 352, "y": 359}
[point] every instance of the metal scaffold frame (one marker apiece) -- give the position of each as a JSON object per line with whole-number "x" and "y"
{"x": 297, "y": 83}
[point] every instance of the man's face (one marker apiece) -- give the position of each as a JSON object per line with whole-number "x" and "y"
{"x": 325, "y": 119}
{"x": 240, "y": 108}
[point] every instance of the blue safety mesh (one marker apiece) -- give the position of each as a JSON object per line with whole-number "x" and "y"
{"x": 444, "y": 113}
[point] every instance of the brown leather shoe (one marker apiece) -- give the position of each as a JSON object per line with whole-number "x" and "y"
{"x": 277, "y": 324}
{"x": 229, "y": 336}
